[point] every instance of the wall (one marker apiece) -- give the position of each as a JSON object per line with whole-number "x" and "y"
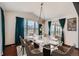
{"x": 76, "y": 5}
{"x": 71, "y": 37}
{"x": 10, "y": 22}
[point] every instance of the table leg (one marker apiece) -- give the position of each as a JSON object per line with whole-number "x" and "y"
{"x": 46, "y": 52}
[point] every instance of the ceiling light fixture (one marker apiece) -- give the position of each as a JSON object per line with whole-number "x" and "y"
{"x": 41, "y": 10}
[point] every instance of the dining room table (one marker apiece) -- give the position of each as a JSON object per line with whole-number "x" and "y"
{"x": 43, "y": 41}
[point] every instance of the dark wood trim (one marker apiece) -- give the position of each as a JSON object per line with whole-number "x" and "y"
{"x": 9, "y": 45}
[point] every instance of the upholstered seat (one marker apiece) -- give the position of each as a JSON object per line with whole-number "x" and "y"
{"x": 32, "y": 52}
{"x": 63, "y": 51}
{"x": 22, "y": 44}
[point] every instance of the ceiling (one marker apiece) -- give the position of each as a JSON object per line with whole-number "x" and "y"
{"x": 50, "y": 9}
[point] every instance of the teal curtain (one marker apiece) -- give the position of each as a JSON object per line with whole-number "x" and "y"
{"x": 62, "y": 23}
{"x": 49, "y": 25}
{"x": 19, "y": 30}
{"x": 39, "y": 29}
{"x": 3, "y": 29}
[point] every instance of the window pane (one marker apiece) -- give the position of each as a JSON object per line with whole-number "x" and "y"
{"x": 30, "y": 27}
{"x": 56, "y": 29}
{"x": 36, "y": 28}
{"x": 25, "y": 28}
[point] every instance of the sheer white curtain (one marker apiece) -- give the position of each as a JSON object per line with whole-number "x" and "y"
{"x": 0, "y": 35}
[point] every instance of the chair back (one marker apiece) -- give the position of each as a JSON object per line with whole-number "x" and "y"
{"x": 28, "y": 50}
{"x": 22, "y": 41}
{"x": 70, "y": 50}
{"x": 66, "y": 50}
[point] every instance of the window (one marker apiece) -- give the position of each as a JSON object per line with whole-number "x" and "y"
{"x": 36, "y": 28}
{"x": 25, "y": 27}
{"x": 30, "y": 27}
{"x": 56, "y": 29}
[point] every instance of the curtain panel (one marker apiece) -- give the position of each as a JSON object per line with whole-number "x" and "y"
{"x": 62, "y": 23}
{"x": 49, "y": 25}
{"x": 3, "y": 29}
{"x": 19, "y": 30}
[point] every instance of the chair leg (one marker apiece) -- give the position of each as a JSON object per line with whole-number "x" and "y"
{"x": 23, "y": 50}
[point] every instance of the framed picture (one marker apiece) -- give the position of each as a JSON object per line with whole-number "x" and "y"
{"x": 72, "y": 24}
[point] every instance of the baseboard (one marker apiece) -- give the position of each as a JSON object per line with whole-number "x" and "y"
{"x": 9, "y": 45}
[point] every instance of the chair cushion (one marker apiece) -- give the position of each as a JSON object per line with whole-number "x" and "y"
{"x": 35, "y": 51}
{"x": 58, "y": 54}
{"x": 63, "y": 49}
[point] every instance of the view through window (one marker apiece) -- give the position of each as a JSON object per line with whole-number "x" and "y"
{"x": 30, "y": 27}
{"x": 56, "y": 29}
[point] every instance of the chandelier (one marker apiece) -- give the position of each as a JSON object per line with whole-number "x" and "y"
{"x": 41, "y": 10}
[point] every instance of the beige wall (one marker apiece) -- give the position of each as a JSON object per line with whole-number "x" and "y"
{"x": 10, "y": 20}
{"x": 71, "y": 37}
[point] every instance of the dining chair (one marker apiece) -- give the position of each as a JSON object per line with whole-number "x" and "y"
{"x": 64, "y": 50}
{"x": 32, "y": 52}
{"x": 22, "y": 44}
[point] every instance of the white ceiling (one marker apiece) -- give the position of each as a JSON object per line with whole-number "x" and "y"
{"x": 50, "y": 9}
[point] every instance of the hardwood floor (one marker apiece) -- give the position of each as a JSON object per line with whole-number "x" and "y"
{"x": 12, "y": 51}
